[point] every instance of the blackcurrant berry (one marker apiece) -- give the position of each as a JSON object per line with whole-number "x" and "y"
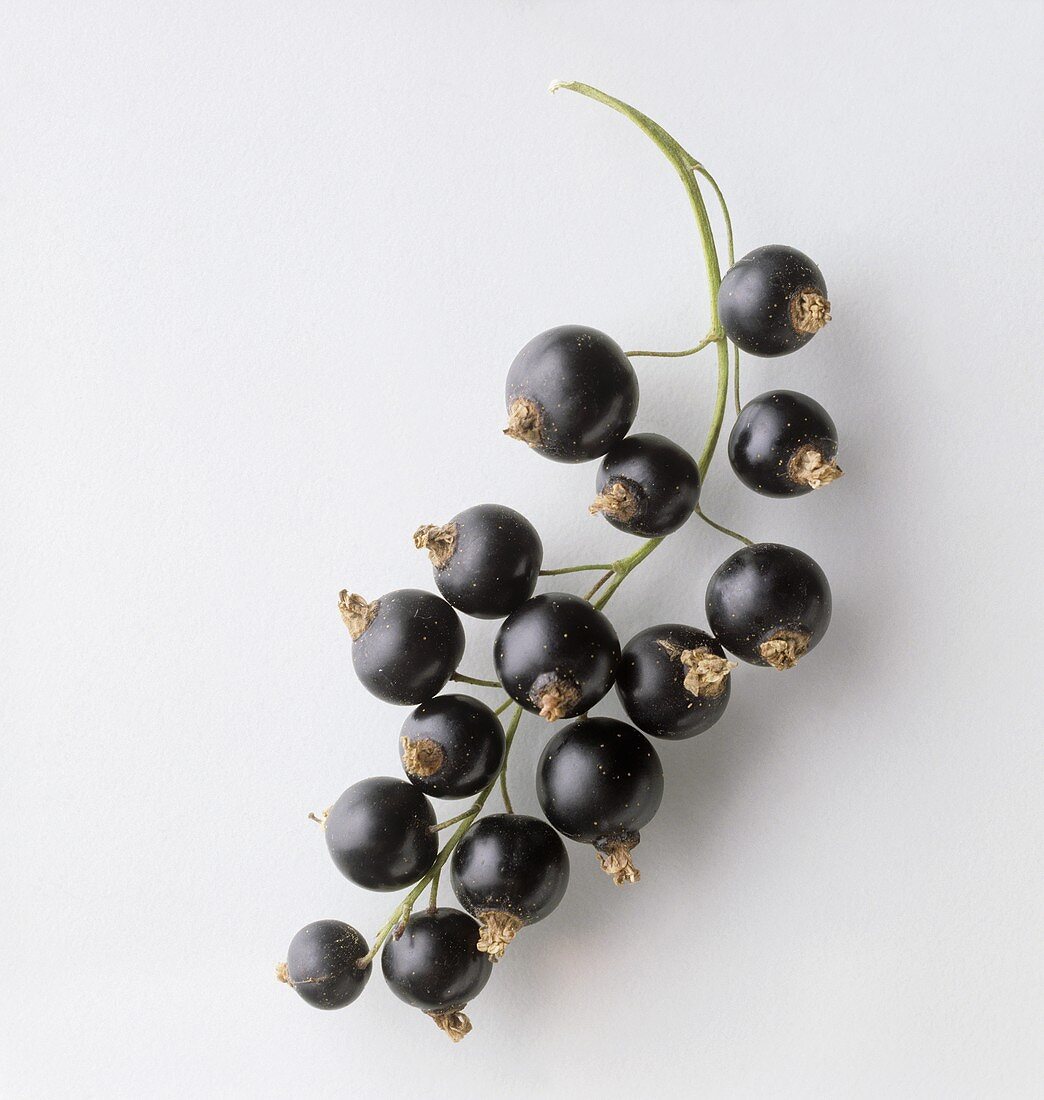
{"x": 509, "y": 870}
{"x": 405, "y": 646}
{"x": 379, "y": 833}
{"x": 556, "y": 655}
{"x": 647, "y": 485}
{"x": 486, "y": 559}
{"x": 600, "y": 782}
{"x": 784, "y": 444}
{"x": 768, "y": 604}
{"x": 773, "y": 301}
{"x": 673, "y": 681}
{"x": 451, "y": 746}
{"x": 571, "y": 394}
{"x": 322, "y": 964}
{"x": 435, "y": 965}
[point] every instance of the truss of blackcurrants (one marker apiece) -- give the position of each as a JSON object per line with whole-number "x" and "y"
{"x": 572, "y": 395}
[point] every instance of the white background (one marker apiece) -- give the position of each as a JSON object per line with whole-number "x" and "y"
{"x": 262, "y": 270}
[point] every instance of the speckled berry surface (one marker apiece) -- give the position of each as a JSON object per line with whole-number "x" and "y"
{"x": 321, "y": 964}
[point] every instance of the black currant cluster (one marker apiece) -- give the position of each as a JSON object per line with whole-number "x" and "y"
{"x": 572, "y": 396}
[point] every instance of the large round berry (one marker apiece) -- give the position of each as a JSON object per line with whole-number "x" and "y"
{"x": 556, "y": 655}
{"x": 451, "y": 746}
{"x": 600, "y": 782}
{"x": 486, "y": 560}
{"x": 509, "y": 870}
{"x": 435, "y": 965}
{"x": 405, "y": 646}
{"x": 773, "y": 301}
{"x": 571, "y": 394}
{"x": 322, "y": 964}
{"x": 768, "y": 604}
{"x": 784, "y": 444}
{"x": 673, "y": 680}
{"x": 379, "y": 833}
{"x": 647, "y": 485}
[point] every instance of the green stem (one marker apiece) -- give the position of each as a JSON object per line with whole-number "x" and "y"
{"x": 433, "y": 897}
{"x": 503, "y": 707}
{"x": 710, "y": 338}
{"x": 573, "y": 569}
{"x": 718, "y": 527}
{"x": 735, "y": 379}
{"x": 460, "y": 678}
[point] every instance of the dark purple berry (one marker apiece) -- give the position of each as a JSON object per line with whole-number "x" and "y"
{"x": 322, "y": 964}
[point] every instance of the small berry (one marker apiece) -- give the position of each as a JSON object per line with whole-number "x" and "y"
{"x": 405, "y": 646}
{"x": 674, "y": 681}
{"x": 322, "y": 964}
{"x": 599, "y": 781}
{"x": 379, "y": 833}
{"x": 509, "y": 870}
{"x": 768, "y": 604}
{"x": 647, "y": 486}
{"x": 435, "y": 965}
{"x": 556, "y": 655}
{"x": 784, "y": 444}
{"x": 571, "y": 394}
{"x": 451, "y": 746}
{"x": 773, "y": 301}
{"x": 486, "y": 560}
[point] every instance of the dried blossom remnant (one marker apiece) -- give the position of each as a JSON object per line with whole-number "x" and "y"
{"x": 524, "y": 421}
{"x": 440, "y": 542}
{"x": 615, "y": 858}
{"x": 809, "y": 312}
{"x": 809, "y": 467}
{"x": 498, "y": 929}
{"x": 283, "y": 974}
{"x": 453, "y": 1022}
{"x": 615, "y": 501}
{"x": 357, "y": 613}
{"x": 706, "y": 673}
{"x": 554, "y": 698}
{"x": 784, "y": 649}
{"x": 422, "y": 758}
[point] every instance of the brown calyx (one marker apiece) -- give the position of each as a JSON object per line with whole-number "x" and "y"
{"x": 524, "y": 421}
{"x": 438, "y": 541}
{"x": 283, "y": 974}
{"x": 320, "y": 819}
{"x": 554, "y": 698}
{"x": 784, "y": 649}
{"x": 615, "y": 858}
{"x": 452, "y": 1021}
{"x": 809, "y": 312}
{"x": 497, "y": 930}
{"x": 422, "y": 757}
{"x": 808, "y": 466}
{"x": 356, "y": 613}
{"x": 615, "y": 501}
{"x": 705, "y": 672}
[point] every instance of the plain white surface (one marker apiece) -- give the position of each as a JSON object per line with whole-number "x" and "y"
{"x": 263, "y": 268}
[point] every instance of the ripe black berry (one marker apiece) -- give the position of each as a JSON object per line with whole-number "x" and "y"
{"x": 673, "y": 681}
{"x": 599, "y": 781}
{"x": 405, "y": 646}
{"x": 451, "y": 746}
{"x": 509, "y": 870}
{"x": 556, "y": 655}
{"x": 768, "y": 604}
{"x": 486, "y": 559}
{"x": 379, "y": 833}
{"x": 321, "y": 964}
{"x": 773, "y": 301}
{"x": 647, "y": 485}
{"x": 784, "y": 444}
{"x": 571, "y": 394}
{"x": 435, "y": 965}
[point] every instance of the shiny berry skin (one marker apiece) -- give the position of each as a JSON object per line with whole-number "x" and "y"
{"x": 773, "y": 301}
{"x": 673, "y": 681}
{"x": 451, "y": 746}
{"x": 379, "y": 833}
{"x": 571, "y": 394}
{"x": 556, "y": 655}
{"x": 599, "y": 781}
{"x": 486, "y": 560}
{"x": 768, "y": 604}
{"x": 321, "y": 964}
{"x": 647, "y": 485}
{"x": 784, "y": 444}
{"x": 405, "y": 646}
{"x": 435, "y": 964}
{"x": 509, "y": 870}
